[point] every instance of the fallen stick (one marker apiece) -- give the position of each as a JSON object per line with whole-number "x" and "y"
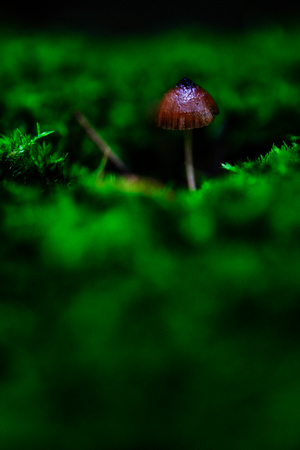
{"x": 101, "y": 144}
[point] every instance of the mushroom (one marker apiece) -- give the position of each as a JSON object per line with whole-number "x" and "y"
{"x": 185, "y": 107}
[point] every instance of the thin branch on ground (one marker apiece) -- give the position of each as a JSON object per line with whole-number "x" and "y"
{"x": 101, "y": 144}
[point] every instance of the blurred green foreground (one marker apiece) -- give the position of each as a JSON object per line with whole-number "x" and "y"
{"x": 140, "y": 315}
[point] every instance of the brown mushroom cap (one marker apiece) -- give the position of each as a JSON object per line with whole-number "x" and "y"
{"x": 186, "y": 106}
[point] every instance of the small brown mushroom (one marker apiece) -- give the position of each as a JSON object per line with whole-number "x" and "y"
{"x": 185, "y": 107}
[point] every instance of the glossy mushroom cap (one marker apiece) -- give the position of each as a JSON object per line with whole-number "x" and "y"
{"x": 186, "y": 106}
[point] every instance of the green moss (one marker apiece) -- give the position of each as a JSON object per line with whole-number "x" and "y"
{"x": 136, "y": 314}
{"x": 26, "y": 162}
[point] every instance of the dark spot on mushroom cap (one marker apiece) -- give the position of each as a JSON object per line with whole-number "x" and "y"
{"x": 186, "y": 106}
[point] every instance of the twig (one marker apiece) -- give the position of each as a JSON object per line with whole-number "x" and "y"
{"x": 101, "y": 144}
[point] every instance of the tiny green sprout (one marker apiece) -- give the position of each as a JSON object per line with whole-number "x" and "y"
{"x": 228, "y": 166}
{"x": 39, "y": 134}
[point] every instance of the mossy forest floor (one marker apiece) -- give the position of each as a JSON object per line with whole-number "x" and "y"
{"x": 139, "y": 315}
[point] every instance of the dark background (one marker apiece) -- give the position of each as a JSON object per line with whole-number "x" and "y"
{"x": 136, "y": 17}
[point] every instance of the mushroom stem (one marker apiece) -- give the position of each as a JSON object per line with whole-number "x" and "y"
{"x": 189, "y": 166}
